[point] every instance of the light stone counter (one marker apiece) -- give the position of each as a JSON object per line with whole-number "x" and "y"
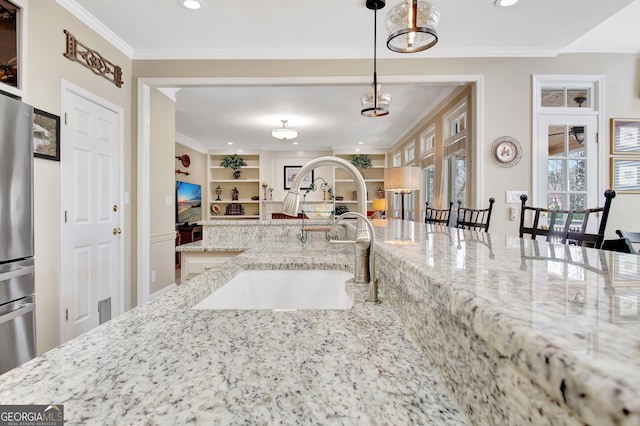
{"x": 521, "y": 331}
{"x": 165, "y": 363}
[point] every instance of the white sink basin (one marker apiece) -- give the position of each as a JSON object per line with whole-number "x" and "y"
{"x": 282, "y": 290}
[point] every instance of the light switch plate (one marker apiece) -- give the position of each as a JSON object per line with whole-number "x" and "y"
{"x": 514, "y": 196}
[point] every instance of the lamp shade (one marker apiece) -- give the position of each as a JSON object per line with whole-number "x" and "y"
{"x": 402, "y": 179}
{"x": 412, "y": 26}
{"x": 284, "y": 132}
{"x": 380, "y": 204}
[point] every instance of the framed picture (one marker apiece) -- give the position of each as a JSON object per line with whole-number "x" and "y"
{"x": 625, "y": 174}
{"x": 625, "y": 306}
{"x": 290, "y": 173}
{"x": 46, "y": 135}
{"x": 625, "y": 136}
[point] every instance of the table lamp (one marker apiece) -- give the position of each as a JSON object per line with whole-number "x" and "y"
{"x": 380, "y": 205}
{"x": 402, "y": 180}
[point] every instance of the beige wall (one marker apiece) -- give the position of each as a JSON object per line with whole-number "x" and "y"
{"x": 506, "y": 103}
{"x": 45, "y": 68}
{"x": 197, "y": 169}
{"x": 162, "y": 189}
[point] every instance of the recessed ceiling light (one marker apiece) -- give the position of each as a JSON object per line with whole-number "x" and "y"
{"x": 229, "y": 143}
{"x": 191, "y": 4}
{"x": 360, "y": 143}
{"x": 505, "y": 3}
{"x": 295, "y": 143}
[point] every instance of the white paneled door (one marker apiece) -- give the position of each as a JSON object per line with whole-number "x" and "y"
{"x": 91, "y": 214}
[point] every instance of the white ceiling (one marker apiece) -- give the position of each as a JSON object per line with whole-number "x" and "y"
{"x": 328, "y": 115}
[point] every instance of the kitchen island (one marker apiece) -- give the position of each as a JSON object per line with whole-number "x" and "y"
{"x": 165, "y": 363}
{"x": 518, "y": 331}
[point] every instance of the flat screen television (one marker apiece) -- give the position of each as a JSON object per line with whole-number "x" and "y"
{"x": 188, "y": 202}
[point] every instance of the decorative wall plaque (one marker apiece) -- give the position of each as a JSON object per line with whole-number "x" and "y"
{"x": 78, "y": 52}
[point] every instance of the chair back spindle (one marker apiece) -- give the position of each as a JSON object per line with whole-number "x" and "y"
{"x": 437, "y": 216}
{"x": 566, "y": 226}
{"x": 474, "y": 219}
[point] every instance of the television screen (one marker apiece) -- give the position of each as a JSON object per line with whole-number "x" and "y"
{"x": 188, "y": 202}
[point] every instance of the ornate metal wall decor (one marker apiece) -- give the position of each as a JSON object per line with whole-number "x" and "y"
{"x": 78, "y": 52}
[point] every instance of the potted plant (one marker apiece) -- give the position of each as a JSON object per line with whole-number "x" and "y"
{"x": 234, "y": 162}
{"x": 361, "y": 161}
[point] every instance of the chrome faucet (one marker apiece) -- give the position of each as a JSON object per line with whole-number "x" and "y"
{"x": 365, "y": 261}
{"x": 291, "y": 204}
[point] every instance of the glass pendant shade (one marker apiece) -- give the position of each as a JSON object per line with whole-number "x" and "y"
{"x": 371, "y": 108}
{"x": 284, "y": 132}
{"x": 412, "y": 26}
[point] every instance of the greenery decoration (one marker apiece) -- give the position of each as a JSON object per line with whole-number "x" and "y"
{"x": 361, "y": 161}
{"x": 234, "y": 162}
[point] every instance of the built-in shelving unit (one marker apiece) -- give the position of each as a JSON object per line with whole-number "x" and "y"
{"x": 373, "y": 177}
{"x": 248, "y": 186}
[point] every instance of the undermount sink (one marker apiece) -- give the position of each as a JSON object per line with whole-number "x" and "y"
{"x": 282, "y": 290}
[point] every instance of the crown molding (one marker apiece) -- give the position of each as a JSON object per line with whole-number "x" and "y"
{"x": 102, "y": 30}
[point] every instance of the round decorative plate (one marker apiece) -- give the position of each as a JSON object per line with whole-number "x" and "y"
{"x": 506, "y": 151}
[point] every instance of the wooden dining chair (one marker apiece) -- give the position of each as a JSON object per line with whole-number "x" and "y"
{"x": 474, "y": 219}
{"x": 437, "y": 216}
{"x": 565, "y": 226}
{"x": 621, "y": 245}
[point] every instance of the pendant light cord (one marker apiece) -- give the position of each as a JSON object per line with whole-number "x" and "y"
{"x": 375, "y": 74}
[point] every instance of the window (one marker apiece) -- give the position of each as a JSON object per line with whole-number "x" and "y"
{"x": 397, "y": 159}
{"x": 457, "y": 178}
{"x": 566, "y": 154}
{"x": 410, "y": 153}
{"x": 427, "y": 140}
{"x": 430, "y": 184}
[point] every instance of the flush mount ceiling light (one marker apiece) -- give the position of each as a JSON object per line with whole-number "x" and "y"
{"x": 191, "y": 4}
{"x": 412, "y": 26}
{"x": 284, "y": 133}
{"x": 375, "y": 103}
{"x": 505, "y": 3}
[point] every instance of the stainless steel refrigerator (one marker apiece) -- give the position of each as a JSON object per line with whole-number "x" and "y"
{"x": 17, "y": 301}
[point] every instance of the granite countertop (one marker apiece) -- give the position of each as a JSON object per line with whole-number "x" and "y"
{"x": 568, "y": 317}
{"x": 165, "y": 363}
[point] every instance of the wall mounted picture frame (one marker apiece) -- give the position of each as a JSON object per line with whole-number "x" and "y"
{"x": 46, "y": 135}
{"x": 290, "y": 173}
{"x": 625, "y": 174}
{"x": 625, "y": 136}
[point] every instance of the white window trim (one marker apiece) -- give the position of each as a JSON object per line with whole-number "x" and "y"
{"x": 597, "y": 104}
{"x": 410, "y": 152}
{"x": 429, "y": 134}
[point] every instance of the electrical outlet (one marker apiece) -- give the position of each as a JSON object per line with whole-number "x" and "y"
{"x": 168, "y": 200}
{"x": 153, "y": 276}
{"x": 513, "y": 213}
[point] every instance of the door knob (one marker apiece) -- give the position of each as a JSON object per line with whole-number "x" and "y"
{"x": 117, "y": 231}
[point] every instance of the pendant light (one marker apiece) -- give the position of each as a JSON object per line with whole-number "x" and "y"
{"x": 412, "y": 26}
{"x": 375, "y": 103}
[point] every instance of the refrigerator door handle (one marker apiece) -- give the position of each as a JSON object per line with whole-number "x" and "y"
{"x": 22, "y": 270}
{"x": 14, "y": 314}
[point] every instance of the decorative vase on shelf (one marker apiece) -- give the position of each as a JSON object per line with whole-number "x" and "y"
{"x": 218, "y": 192}
{"x": 236, "y": 174}
{"x": 380, "y": 192}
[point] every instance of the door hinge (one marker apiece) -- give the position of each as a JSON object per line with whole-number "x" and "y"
{"x": 65, "y": 118}
{"x": 597, "y": 137}
{"x": 66, "y": 216}
{"x": 66, "y": 314}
